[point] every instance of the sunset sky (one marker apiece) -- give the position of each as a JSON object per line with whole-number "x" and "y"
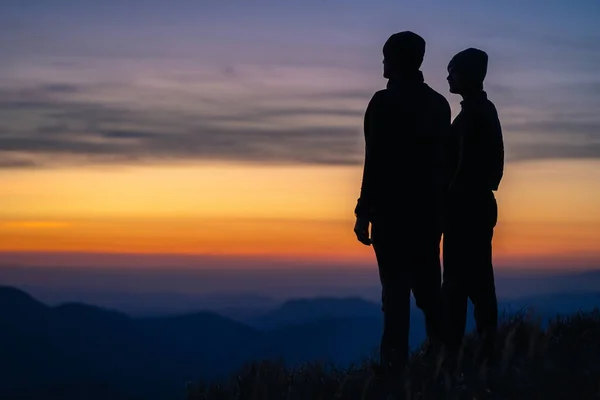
{"x": 232, "y": 129}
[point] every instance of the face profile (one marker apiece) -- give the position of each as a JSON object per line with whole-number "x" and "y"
{"x": 386, "y": 68}
{"x": 453, "y": 80}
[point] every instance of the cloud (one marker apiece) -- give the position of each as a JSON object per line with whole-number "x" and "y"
{"x": 123, "y": 134}
{"x": 8, "y": 161}
{"x": 59, "y": 88}
{"x": 72, "y": 130}
{"x": 555, "y": 150}
{"x": 553, "y": 139}
{"x": 289, "y": 115}
{"x": 73, "y": 92}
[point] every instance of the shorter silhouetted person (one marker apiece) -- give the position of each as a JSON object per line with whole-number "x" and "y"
{"x": 405, "y": 128}
{"x": 471, "y": 208}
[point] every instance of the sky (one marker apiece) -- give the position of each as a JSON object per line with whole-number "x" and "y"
{"x": 196, "y": 133}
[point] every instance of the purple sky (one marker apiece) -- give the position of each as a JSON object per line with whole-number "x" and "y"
{"x": 138, "y": 78}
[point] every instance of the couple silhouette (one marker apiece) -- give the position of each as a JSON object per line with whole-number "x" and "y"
{"x": 426, "y": 176}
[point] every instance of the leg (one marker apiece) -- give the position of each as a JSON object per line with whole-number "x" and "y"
{"x": 426, "y": 273}
{"x": 454, "y": 288}
{"x": 395, "y": 297}
{"x": 482, "y": 288}
{"x": 483, "y": 295}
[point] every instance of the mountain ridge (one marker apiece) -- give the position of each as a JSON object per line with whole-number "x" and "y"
{"x": 76, "y": 342}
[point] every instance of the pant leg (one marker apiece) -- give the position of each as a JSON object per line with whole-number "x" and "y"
{"x": 454, "y": 286}
{"x": 468, "y": 271}
{"x": 426, "y": 274}
{"x": 482, "y": 288}
{"x": 395, "y": 283}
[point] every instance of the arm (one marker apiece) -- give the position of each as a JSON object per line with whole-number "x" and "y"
{"x": 364, "y": 206}
{"x": 496, "y": 143}
{"x": 450, "y": 147}
{"x": 482, "y": 152}
{"x": 453, "y": 155}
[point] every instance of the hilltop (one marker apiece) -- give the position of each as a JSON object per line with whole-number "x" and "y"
{"x": 560, "y": 361}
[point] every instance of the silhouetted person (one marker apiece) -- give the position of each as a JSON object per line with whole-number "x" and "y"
{"x": 405, "y": 127}
{"x": 478, "y": 158}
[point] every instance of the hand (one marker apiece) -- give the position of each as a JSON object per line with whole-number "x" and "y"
{"x": 361, "y": 229}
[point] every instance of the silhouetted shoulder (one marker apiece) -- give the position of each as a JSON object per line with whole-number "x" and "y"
{"x": 376, "y": 101}
{"x": 379, "y": 97}
{"x": 380, "y": 94}
{"x": 483, "y": 111}
{"x": 490, "y": 109}
{"x": 438, "y": 99}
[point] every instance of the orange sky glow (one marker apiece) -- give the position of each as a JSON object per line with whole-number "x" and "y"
{"x": 548, "y": 210}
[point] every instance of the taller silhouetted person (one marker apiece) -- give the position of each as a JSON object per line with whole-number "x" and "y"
{"x": 472, "y": 211}
{"x": 406, "y": 126}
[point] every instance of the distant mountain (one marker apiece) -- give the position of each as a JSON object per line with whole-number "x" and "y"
{"x": 19, "y": 307}
{"x": 153, "y": 303}
{"x": 548, "y": 306}
{"x": 307, "y": 310}
{"x": 42, "y": 346}
{"x": 74, "y": 343}
{"x": 338, "y": 330}
{"x": 66, "y": 348}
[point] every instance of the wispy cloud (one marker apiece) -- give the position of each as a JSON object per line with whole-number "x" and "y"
{"x": 273, "y": 119}
{"x": 276, "y": 91}
{"x": 285, "y": 116}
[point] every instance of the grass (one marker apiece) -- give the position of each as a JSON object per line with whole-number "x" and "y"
{"x": 560, "y": 361}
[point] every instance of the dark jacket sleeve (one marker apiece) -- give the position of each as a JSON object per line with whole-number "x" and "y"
{"x": 453, "y": 156}
{"x": 449, "y": 146}
{"x": 480, "y": 148}
{"x": 496, "y": 143}
{"x": 364, "y": 206}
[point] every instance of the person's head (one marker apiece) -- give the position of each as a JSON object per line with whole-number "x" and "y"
{"x": 467, "y": 71}
{"x": 402, "y": 52}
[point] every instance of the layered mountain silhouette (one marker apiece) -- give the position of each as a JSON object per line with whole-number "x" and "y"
{"x": 307, "y": 310}
{"x": 43, "y": 347}
{"x": 80, "y": 351}
{"x": 46, "y": 348}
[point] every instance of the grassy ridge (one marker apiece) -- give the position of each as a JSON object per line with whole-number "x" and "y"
{"x": 560, "y": 361}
